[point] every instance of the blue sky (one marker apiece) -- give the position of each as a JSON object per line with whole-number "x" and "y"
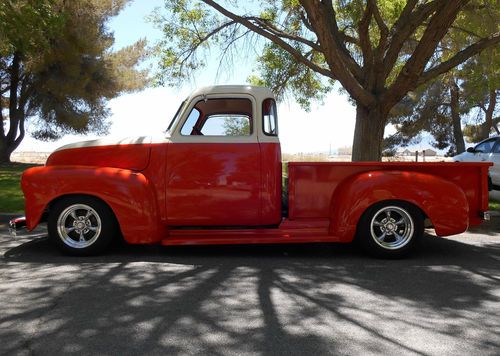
{"x": 148, "y": 112}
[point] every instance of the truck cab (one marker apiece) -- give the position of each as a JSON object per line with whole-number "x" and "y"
{"x": 224, "y": 160}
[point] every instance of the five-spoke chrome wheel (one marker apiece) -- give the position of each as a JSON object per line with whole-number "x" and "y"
{"x": 392, "y": 227}
{"x": 79, "y": 226}
{"x": 82, "y": 225}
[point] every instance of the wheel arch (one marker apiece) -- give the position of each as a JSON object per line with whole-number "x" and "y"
{"x": 129, "y": 195}
{"x": 439, "y": 200}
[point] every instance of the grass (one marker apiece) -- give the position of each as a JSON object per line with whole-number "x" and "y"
{"x": 494, "y": 205}
{"x": 11, "y": 196}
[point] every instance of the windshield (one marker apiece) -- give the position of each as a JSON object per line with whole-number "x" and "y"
{"x": 176, "y": 116}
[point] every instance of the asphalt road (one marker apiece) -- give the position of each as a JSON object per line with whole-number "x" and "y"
{"x": 276, "y": 300}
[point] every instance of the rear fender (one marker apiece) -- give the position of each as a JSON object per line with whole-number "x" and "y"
{"x": 442, "y": 201}
{"x": 129, "y": 195}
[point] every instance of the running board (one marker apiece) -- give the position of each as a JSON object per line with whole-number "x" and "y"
{"x": 288, "y": 232}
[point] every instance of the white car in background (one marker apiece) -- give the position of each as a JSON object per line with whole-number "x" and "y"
{"x": 485, "y": 151}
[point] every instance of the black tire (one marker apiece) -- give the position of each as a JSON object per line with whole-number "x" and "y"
{"x": 490, "y": 184}
{"x": 390, "y": 229}
{"x": 81, "y": 225}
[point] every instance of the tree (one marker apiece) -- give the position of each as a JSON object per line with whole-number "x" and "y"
{"x": 467, "y": 95}
{"x": 436, "y": 109}
{"x": 377, "y": 50}
{"x": 481, "y": 93}
{"x": 236, "y": 126}
{"x": 58, "y": 70}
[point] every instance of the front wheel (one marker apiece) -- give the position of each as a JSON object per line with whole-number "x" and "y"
{"x": 81, "y": 225}
{"x": 390, "y": 229}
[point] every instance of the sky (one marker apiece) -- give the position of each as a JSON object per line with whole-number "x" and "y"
{"x": 325, "y": 128}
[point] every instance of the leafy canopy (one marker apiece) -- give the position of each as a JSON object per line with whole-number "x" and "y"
{"x": 58, "y": 66}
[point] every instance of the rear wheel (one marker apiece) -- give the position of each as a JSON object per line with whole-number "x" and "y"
{"x": 390, "y": 229}
{"x": 81, "y": 225}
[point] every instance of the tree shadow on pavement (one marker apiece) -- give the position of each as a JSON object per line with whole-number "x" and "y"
{"x": 293, "y": 299}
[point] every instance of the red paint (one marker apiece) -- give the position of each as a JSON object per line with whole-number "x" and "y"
{"x": 133, "y": 157}
{"x": 129, "y": 194}
{"x": 271, "y": 174}
{"x": 452, "y": 195}
{"x": 213, "y": 184}
{"x": 222, "y": 185}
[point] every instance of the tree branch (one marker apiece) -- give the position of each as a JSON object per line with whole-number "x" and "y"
{"x": 305, "y": 21}
{"x": 2, "y": 132}
{"x": 204, "y": 39}
{"x": 384, "y": 30}
{"x": 345, "y": 69}
{"x": 364, "y": 39}
{"x": 459, "y": 58}
{"x": 406, "y": 24}
{"x": 19, "y": 138}
{"x": 275, "y": 31}
{"x": 270, "y": 36}
{"x": 409, "y": 75}
{"x": 13, "y": 97}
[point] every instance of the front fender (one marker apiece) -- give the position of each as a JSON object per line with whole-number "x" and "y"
{"x": 444, "y": 203}
{"x": 129, "y": 194}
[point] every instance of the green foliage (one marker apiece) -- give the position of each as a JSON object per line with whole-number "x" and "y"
{"x": 192, "y": 33}
{"x": 28, "y": 26}
{"x": 425, "y": 110}
{"x": 185, "y": 29}
{"x": 284, "y": 75}
{"x": 234, "y": 126}
{"x": 428, "y": 108}
{"x": 67, "y": 69}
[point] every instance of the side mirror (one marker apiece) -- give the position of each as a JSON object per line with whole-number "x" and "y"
{"x": 471, "y": 150}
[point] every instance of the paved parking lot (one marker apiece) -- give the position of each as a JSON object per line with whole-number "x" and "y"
{"x": 282, "y": 300}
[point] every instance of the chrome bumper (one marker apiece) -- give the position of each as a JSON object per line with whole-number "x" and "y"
{"x": 16, "y": 225}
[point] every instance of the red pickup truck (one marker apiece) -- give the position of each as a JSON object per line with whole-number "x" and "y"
{"x": 215, "y": 177}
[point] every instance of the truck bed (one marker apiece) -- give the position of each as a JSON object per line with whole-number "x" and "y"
{"x": 312, "y": 184}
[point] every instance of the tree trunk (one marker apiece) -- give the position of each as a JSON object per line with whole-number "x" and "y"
{"x": 5, "y": 151}
{"x": 368, "y": 134}
{"x": 11, "y": 139}
{"x": 458, "y": 135}
{"x": 488, "y": 116}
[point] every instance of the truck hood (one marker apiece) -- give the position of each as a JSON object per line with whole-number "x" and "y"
{"x": 128, "y": 153}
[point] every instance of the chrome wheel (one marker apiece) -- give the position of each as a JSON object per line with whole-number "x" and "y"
{"x": 392, "y": 227}
{"x": 79, "y": 226}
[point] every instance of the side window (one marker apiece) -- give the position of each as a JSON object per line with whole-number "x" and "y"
{"x": 270, "y": 117}
{"x": 219, "y": 117}
{"x": 485, "y": 147}
{"x": 227, "y": 125}
{"x": 194, "y": 115}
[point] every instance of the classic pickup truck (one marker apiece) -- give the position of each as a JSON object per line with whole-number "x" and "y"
{"x": 215, "y": 177}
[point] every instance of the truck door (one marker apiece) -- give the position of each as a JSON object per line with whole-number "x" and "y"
{"x": 213, "y": 165}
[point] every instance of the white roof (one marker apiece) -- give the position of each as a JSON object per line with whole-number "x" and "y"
{"x": 260, "y": 93}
